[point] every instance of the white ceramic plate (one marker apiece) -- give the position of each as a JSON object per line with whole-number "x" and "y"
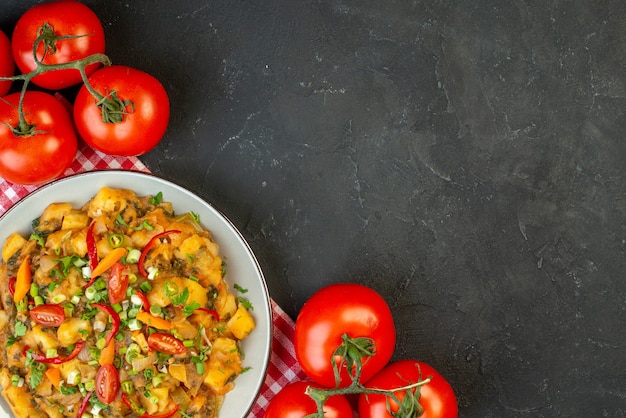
{"x": 243, "y": 268}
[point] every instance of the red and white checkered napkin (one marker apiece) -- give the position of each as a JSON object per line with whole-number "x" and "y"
{"x": 283, "y": 366}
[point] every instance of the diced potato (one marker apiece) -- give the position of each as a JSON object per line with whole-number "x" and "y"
{"x": 226, "y": 305}
{"x": 178, "y": 372}
{"x": 161, "y": 393}
{"x": 75, "y": 219}
{"x": 109, "y": 200}
{"x": 52, "y": 217}
{"x": 141, "y": 341}
{"x": 19, "y": 401}
{"x": 13, "y": 244}
{"x": 158, "y": 295}
{"x": 242, "y": 323}
{"x": 58, "y": 239}
{"x": 79, "y": 243}
{"x": 223, "y": 365}
{"x": 68, "y": 332}
{"x": 40, "y": 337}
{"x": 4, "y": 320}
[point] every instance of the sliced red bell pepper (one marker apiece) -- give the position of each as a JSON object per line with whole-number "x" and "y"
{"x": 12, "y": 281}
{"x": 144, "y": 300}
{"x": 92, "y": 250}
{"x": 56, "y": 360}
{"x": 115, "y": 319}
{"x": 83, "y": 406}
{"x": 147, "y": 248}
{"x": 211, "y": 312}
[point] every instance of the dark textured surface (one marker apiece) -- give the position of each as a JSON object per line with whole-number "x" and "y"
{"x": 465, "y": 159}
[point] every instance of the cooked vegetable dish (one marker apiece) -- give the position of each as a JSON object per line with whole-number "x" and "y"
{"x": 118, "y": 309}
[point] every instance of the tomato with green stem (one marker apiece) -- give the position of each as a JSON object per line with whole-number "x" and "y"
{"x": 64, "y": 31}
{"x": 293, "y": 402}
{"x": 345, "y": 332}
{"x": 40, "y": 145}
{"x": 434, "y": 399}
{"x": 122, "y": 111}
{"x": 7, "y": 66}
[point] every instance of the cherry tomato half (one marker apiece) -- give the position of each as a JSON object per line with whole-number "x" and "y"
{"x": 435, "y": 397}
{"x": 118, "y": 283}
{"x": 7, "y": 66}
{"x": 293, "y": 402}
{"x": 333, "y": 311}
{"x": 66, "y": 18}
{"x": 107, "y": 383}
{"x": 47, "y": 151}
{"x": 48, "y": 315}
{"x": 144, "y": 116}
{"x": 166, "y": 343}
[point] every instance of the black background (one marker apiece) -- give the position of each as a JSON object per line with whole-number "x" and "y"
{"x": 463, "y": 158}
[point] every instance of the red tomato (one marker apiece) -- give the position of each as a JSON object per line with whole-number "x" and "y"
{"x": 436, "y": 397}
{"x": 333, "y": 311}
{"x": 165, "y": 343}
{"x": 7, "y": 66}
{"x": 118, "y": 283}
{"x": 47, "y": 151}
{"x": 107, "y": 383}
{"x": 142, "y": 125}
{"x": 48, "y": 315}
{"x": 293, "y": 402}
{"x": 66, "y": 18}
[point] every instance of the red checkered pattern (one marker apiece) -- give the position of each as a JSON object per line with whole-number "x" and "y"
{"x": 283, "y": 366}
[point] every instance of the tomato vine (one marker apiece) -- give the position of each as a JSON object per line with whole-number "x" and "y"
{"x": 352, "y": 351}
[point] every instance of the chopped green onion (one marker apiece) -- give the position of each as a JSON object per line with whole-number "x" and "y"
{"x": 73, "y": 377}
{"x": 134, "y": 324}
{"x": 128, "y": 387}
{"x": 51, "y": 352}
{"x": 75, "y": 299}
{"x": 38, "y": 300}
{"x": 101, "y": 343}
{"x": 155, "y": 310}
{"x": 153, "y": 272}
{"x": 91, "y": 292}
{"x": 58, "y": 298}
{"x": 145, "y": 286}
{"x": 200, "y": 368}
{"x": 133, "y": 256}
{"x": 132, "y": 312}
{"x": 34, "y": 290}
{"x": 100, "y": 284}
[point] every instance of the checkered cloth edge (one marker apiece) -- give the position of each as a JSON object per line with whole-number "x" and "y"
{"x": 283, "y": 367}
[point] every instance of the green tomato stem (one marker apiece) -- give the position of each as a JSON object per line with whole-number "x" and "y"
{"x": 408, "y": 409}
{"x": 47, "y": 36}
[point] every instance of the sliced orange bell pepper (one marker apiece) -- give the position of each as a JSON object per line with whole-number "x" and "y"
{"x": 54, "y": 376}
{"x": 23, "y": 280}
{"x": 107, "y": 354}
{"x": 107, "y": 262}
{"x": 153, "y": 321}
